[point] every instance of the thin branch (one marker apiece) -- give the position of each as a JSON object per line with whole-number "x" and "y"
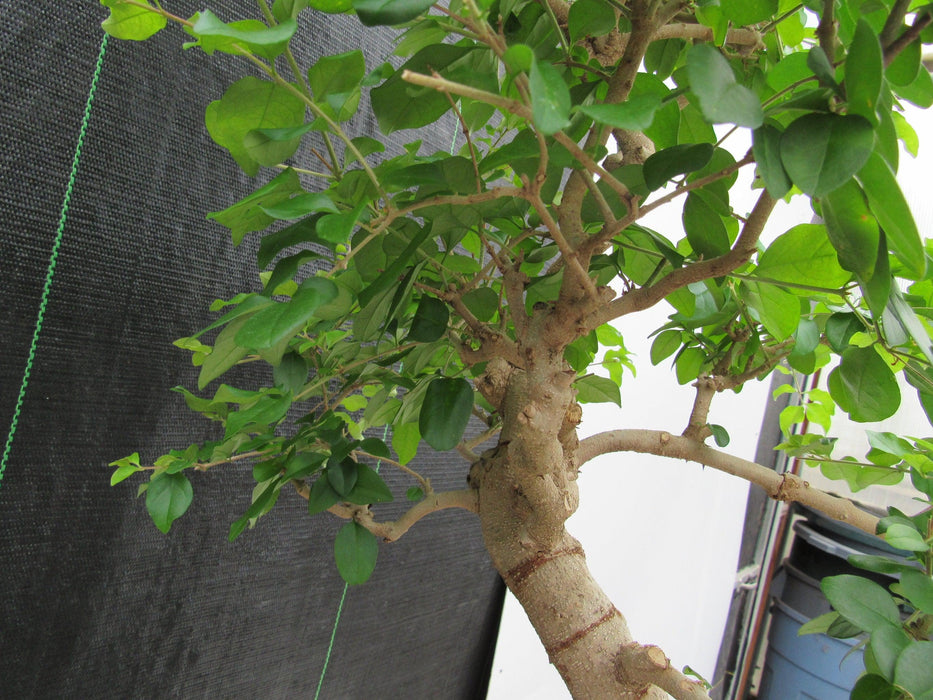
{"x": 651, "y": 665}
{"x": 466, "y": 499}
{"x": 737, "y": 37}
{"x": 466, "y": 134}
{"x": 907, "y": 38}
{"x": 781, "y": 487}
{"x": 425, "y": 483}
{"x": 444, "y": 85}
{"x": 894, "y": 22}
{"x": 646, "y": 297}
{"x": 826, "y": 30}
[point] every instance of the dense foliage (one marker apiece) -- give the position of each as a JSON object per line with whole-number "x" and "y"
{"x": 397, "y": 285}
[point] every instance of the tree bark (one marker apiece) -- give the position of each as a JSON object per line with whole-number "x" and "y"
{"x": 527, "y": 489}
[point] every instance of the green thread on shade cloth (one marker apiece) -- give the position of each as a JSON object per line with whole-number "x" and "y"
{"x": 53, "y": 258}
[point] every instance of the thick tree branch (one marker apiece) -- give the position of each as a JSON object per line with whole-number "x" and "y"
{"x": 646, "y": 297}
{"x": 781, "y": 487}
{"x": 466, "y": 499}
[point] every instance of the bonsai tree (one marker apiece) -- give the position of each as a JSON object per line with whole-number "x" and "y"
{"x": 404, "y": 293}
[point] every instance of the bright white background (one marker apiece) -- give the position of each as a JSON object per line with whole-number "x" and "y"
{"x": 661, "y": 536}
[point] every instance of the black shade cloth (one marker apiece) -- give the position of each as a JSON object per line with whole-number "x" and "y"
{"x": 94, "y": 601}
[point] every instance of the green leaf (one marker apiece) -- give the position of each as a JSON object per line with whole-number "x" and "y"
{"x": 261, "y": 504}
{"x": 904, "y": 68}
{"x": 124, "y": 472}
{"x": 445, "y": 412}
{"x": 389, "y": 12}
{"x": 722, "y": 99}
{"x": 864, "y": 386}
{"x": 287, "y": 9}
{"x": 430, "y": 321}
{"x": 167, "y": 499}
{"x": 247, "y": 215}
{"x": 482, "y": 303}
{"x": 414, "y": 493}
{"x": 225, "y": 354}
{"x": 247, "y": 105}
{"x": 590, "y": 18}
{"x": 705, "y": 230}
{"x": 335, "y": 82}
{"x": 914, "y": 670}
{"x": 918, "y": 587}
{"x": 803, "y": 255}
{"x": 130, "y": 21}
{"x": 777, "y": 310}
{"x": 291, "y": 373}
{"x": 688, "y": 364}
{"x": 819, "y": 63}
{"x": 268, "y": 42}
{"x": 852, "y": 229}
{"x": 864, "y": 72}
{"x": 300, "y": 206}
{"x": 862, "y": 602}
{"x": 873, "y": 687}
{"x": 636, "y": 114}
{"x": 886, "y": 643}
{"x": 720, "y": 434}
{"x": 887, "y": 203}
{"x": 665, "y": 344}
{"x": 744, "y": 12}
{"x": 322, "y": 496}
{"x": 879, "y": 564}
{"x": 903, "y": 536}
{"x": 280, "y": 321}
{"x": 909, "y": 321}
{"x": 595, "y": 389}
{"x": 676, "y": 160}
{"x": 405, "y": 440}
{"x": 268, "y": 410}
{"x": 369, "y": 488}
{"x": 342, "y": 475}
{"x": 821, "y": 152}
{"x": 818, "y": 625}
{"x": 766, "y": 147}
{"x": 355, "y": 550}
{"x": 550, "y": 98}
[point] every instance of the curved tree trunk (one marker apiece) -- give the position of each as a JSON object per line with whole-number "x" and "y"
{"x": 527, "y": 489}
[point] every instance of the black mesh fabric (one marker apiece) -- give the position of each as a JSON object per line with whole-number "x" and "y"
{"x": 94, "y": 601}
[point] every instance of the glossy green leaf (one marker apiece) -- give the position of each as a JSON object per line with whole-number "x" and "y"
{"x": 906, "y": 537}
{"x": 262, "y": 503}
{"x": 167, "y": 499}
{"x": 864, "y": 386}
{"x": 596, "y": 389}
{"x": 389, "y": 12}
{"x": 722, "y": 99}
{"x": 914, "y": 670}
{"x": 821, "y": 152}
{"x": 130, "y": 21}
{"x": 766, "y": 147}
{"x": 688, "y": 365}
{"x": 676, "y": 160}
{"x": 864, "y": 72}
{"x": 822, "y": 68}
{"x": 819, "y": 624}
{"x": 635, "y": 114}
{"x": 889, "y": 206}
{"x": 355, "y": 551}
{"x": 269, "y": 42}
{"x": 291, "y": 373}
{"x": 430, "y": 321}
{"x": 887, "y": 642}
{"x": 550, "y": 98}
{"x": 249, "y": 104}
{"x": 283, "y": 320}
{"x": 852, "y": 229}
{"x": 743, "y": 12}
{"x": 803, "y": 255}
{"x": 862, "y": 602}
{"x": 445, "y": 412}
{"x": 369, "y": 488}
{"x": 287, "y": 9}
{"x": 322, "y": 496}
{"x": 904, "y": 68}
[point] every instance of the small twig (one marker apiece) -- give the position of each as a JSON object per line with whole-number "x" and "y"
{"x": 907, "y": 38}
{"x": 425, "y": 484}
{"x": 826, "y": 30}
{"x": 466, "y": 134}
